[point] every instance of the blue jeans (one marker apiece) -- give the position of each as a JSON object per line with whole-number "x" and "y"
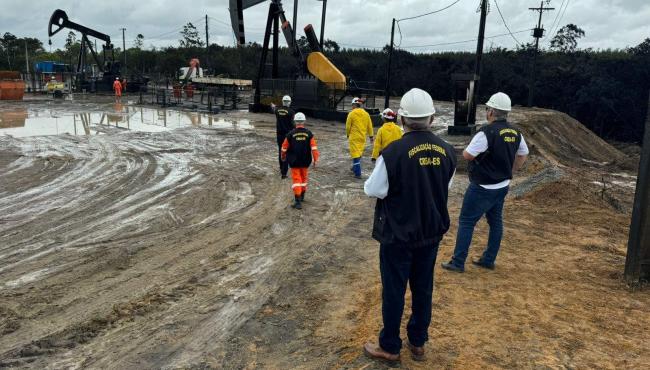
{"x": 398, "y": 265}
{"x": 479, "y": 201}
{"x": 356, "y": 166}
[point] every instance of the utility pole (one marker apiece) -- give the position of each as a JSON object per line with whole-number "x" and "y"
{"x": 538, "y": 33}
{"x": 479, "y": 56}
{"x": 390, "y": 60}
{"x": 207, "y": 37}
{"x": 124, "y": 50}
{"x": 637, "y": 261}
{"x": 26, "y": 59}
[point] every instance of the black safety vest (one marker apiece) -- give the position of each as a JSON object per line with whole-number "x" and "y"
{"x": 299, "y": 152}
{"x": 495, "y": 165}
{"x": 414, "y": 213}
{"x": 283, "y": 122}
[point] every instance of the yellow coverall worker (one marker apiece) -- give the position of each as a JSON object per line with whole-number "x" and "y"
{"x": 386, "y": 134}
{"x": 357, "y": 126}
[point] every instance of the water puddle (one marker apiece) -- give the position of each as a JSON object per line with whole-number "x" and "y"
{"x": 26, "y": 122}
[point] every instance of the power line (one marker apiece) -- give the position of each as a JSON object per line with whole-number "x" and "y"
{"x": 429, "y": 13}
{"x": 464, "y": 41}
{"x": 157, "y": 37}
{"x": 556, "y": 18}
{"x": 506, "y": 24}
{"x": 561, "y": 16}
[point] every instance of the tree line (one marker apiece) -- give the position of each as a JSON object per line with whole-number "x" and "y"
{"x": 606, "y": 90}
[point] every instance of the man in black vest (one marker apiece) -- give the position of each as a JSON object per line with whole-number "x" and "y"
{"x": 493, "y": 154}
{"x": 411, "y": 180}
{"x": 283, "y": 124}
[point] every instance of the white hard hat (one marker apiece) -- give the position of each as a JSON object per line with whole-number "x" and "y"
{"x": 416, "y": 103}
{"x": 117, "y": 78}
{"x": 299, "y": 117}
{"x": 500, "y": 101}
{"x": 286, "y": 98}
{"x": 356, "y": 100}
{"x": 388, "y": 114}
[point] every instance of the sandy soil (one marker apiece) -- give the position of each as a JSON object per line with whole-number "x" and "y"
{"x": 178, "y": 250}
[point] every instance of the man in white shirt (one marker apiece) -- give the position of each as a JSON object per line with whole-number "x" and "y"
{"x": 411, "y": 183}
{"x": 493, "y": 154}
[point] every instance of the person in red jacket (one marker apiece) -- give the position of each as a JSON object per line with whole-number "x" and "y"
{"x": 117, "y": 87}
{"x": 299, "y": 149}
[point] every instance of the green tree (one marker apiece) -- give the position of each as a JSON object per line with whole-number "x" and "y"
{"x": 70, "y": 40}
{"x": 643, "y": 49}
{"x": 566, "y": 39}
{"x": 9, "y": 44}
{"x": 139, "y": 41}
{"x": 331, "y": 46}
{"x": 190, "y": 37}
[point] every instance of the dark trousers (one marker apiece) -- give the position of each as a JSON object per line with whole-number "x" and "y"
{"x": 284, "y": 165}
{"x": 477, "y": 202}
{"x": 399, "y": 265}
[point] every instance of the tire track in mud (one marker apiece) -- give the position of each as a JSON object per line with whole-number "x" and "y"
{"x": 111, "y": 183}
{"x": 240, "y": 205}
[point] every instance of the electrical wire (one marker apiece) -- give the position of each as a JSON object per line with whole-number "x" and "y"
{"x": 158, "y": 37}
{"x": 561, "y": 16}
{"x": 557, "y": 15}
{"x": 464, "y": 41}
{"x": 429, "y": 13}
{"x": 506, "y": 24}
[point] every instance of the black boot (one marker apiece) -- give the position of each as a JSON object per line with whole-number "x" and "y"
{"x": 302, "y": 196}
{"x": 296, "y": 204}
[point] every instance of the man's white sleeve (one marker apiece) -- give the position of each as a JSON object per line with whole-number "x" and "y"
{"x": 523, "y": 147}
{"x": 377, "y": 184}
{"x": 478, "y": 145}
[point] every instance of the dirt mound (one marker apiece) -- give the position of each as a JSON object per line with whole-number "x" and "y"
{"x": 560, "y": 138}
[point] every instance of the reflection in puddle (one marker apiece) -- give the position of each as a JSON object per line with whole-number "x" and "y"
{"x": 39, "y": 123}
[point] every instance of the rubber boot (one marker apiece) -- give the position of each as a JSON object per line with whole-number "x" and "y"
{"x": 302, "y": 196}
{"x": 296, "y": 204}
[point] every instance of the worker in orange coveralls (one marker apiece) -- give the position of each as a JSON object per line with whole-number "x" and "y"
{"x": 117, "y": 87}
{"x": 124, "y": 84}
{"x": 298, "y": 148}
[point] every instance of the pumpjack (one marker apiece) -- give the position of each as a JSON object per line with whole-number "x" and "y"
{"x": 109, "y": 67}
{"x": 317, "y": 86}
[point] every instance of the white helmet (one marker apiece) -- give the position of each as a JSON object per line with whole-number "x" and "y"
{"x": 357, "y": 101}
{"x": 299, "y": 117}
{"x": 500, "y": 101}
{"x": 286, "y": 100}
{"x": 388, "y": 114}
{"x": 416, "y": 103}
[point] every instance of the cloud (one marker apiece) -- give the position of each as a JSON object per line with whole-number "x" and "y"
{"x": 608, "y": 24}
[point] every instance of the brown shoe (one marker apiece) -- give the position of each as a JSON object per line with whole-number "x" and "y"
{"x": 375, "y": 351}
{"x": 417, "y": 353}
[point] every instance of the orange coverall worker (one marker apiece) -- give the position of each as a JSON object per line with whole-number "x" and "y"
{"x": 299, "y": 149}
{"x": 117, "y": 86}
{"x": 386, "y": 134}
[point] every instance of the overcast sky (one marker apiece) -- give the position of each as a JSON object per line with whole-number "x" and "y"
{"x": 607, "y": 23}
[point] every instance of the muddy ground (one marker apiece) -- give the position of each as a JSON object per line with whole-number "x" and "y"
{"x": 177, "y": 249}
